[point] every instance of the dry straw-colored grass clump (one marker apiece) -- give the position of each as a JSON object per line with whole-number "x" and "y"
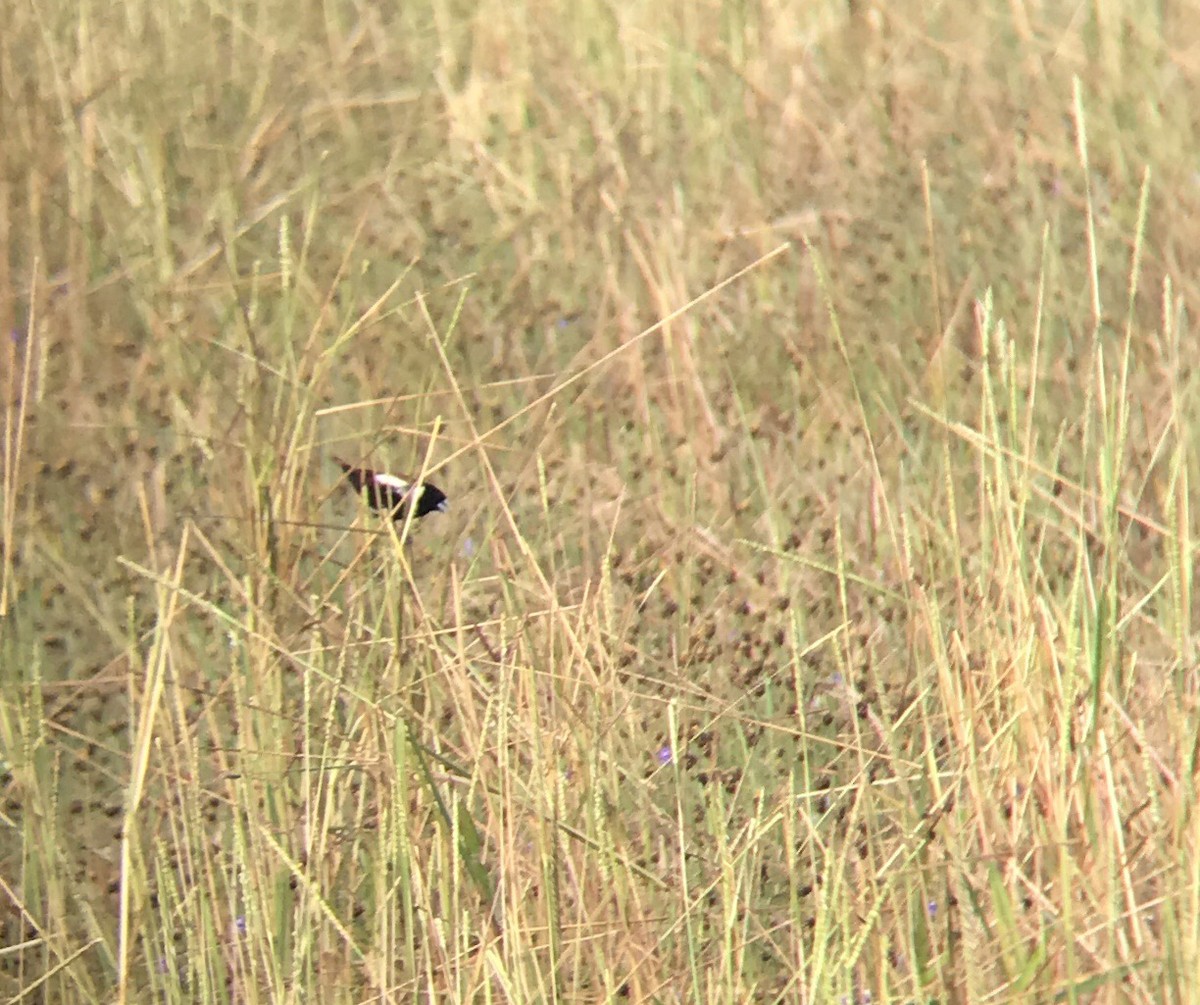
{"x": 813, "y": 388}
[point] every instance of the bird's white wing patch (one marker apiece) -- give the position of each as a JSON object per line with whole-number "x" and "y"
{"x": 392, "y": 482}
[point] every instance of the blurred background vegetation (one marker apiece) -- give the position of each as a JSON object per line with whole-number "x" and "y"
{"x": 813, "y": 386}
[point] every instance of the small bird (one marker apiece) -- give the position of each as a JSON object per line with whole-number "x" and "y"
{"x": 394, "y": 495}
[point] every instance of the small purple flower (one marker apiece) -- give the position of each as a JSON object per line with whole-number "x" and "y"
{"x": 931, "y": 908}
{"x": 664, "y": 755}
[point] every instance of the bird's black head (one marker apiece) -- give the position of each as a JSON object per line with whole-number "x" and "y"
{"x": 430, "y": 499}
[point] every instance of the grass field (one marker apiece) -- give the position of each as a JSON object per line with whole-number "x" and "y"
{"x": 814, "y": 386}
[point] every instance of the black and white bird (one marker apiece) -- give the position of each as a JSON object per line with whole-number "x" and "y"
{"x": 393, "y": 494}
